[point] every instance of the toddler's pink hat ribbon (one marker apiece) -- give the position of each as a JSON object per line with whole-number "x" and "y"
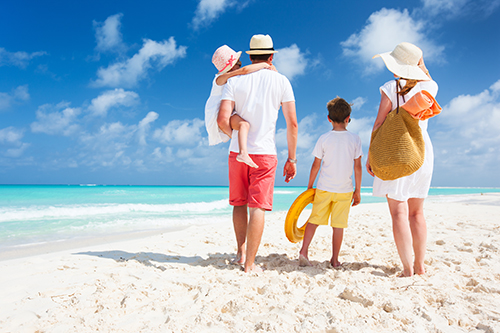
{"x": 228, "y": 63}
{"x": 422, "y": 106}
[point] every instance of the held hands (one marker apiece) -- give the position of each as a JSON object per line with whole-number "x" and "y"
{"x": 289, "y": 171}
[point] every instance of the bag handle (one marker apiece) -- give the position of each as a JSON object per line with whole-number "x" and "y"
{"x": 397, "y": 95}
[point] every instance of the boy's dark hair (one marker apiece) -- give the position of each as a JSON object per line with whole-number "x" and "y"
{"x": 260, "y": 57}
{"x": 338, "y": 110}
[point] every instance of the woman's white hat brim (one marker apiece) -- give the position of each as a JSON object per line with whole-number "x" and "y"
{"x": 405, "y": 71}
{"x": 228, "y": 68}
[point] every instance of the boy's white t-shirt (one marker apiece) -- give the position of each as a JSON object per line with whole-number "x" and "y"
{"x": 337, "y": 151}
{"x": 257, "y": 98}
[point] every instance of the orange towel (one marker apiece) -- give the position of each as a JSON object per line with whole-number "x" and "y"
{"x": 422, "y": 106}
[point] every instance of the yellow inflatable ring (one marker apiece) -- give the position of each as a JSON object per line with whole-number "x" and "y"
{"x": 293, "y": 233}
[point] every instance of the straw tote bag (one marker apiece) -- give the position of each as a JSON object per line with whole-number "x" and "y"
{"x": 397, "y": 148}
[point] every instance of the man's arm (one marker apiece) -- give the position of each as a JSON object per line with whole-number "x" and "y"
{"x": 225, "y": 110}
{"x": 290, "y": 169}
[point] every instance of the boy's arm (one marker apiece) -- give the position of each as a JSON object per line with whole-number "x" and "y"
{"x": 356, "y": 197}
{"x": 222, "y": 79}
{"x": 314, "y": 172}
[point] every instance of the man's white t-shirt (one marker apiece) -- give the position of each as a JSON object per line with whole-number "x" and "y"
{"x": 337, "y": 151}
{"x": 257, "y": 98}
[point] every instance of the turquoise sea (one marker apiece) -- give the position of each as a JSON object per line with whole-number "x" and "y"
{"x": 38, "y": 214}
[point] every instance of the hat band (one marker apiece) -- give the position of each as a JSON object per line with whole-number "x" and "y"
{"x": 228, "y": 63}
{"x": 263, "y": 49}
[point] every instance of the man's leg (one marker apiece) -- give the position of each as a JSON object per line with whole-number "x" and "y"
{"x": 254, "y": 235}
{"x": 240, "y": 223}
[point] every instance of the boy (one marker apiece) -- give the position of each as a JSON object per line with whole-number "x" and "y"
{"x": 336, "y": 152}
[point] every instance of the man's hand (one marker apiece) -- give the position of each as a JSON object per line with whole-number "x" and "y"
{"x": 289, "y": 171}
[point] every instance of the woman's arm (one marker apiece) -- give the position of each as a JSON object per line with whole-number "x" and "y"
{"x": 222, "y": 79}
{"x": 421, "y": 65}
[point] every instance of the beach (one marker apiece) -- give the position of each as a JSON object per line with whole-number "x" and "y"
{"x": 183, "y": 281}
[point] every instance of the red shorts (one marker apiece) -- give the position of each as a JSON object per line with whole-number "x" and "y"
{"x": 252, "y": 186}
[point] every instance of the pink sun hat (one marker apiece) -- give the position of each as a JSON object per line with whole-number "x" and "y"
{"x": 225, "y": 58}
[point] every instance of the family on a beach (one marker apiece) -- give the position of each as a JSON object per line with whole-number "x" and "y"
{"x": 244, "y": 105}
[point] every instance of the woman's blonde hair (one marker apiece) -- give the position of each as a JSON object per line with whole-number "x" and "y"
{"x": 408, "y": 86}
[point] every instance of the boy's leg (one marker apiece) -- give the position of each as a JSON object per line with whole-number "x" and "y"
{"x": 308, "y": 236}
{"x": 243, "y": 127}
{"x": 337, "y": 237}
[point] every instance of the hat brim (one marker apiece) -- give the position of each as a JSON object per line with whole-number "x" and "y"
{"x": 405, "y": 71}
{"x": 256, "y": 52}
{"x": 227, "y": 69}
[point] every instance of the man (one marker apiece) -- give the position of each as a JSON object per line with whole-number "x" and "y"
{"x": 257, "y": 98}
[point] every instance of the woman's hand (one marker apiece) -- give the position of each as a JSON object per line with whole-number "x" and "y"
{"x": 369, "y": 167}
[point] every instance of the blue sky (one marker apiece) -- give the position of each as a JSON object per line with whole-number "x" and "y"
{"x": 113, "y": 92}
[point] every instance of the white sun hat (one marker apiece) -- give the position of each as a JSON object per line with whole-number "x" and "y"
{"x": 225, "y": 58}
{"x": 261, "y": 44}
{"x": 403, "y": 61}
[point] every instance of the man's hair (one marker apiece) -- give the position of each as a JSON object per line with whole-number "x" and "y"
{"x": 259, "y": 57}
{"x": 338, "y": 110}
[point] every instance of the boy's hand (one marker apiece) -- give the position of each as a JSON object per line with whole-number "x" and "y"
{"x": 356, "y": 198}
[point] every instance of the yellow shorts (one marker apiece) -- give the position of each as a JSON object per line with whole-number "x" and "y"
{"x": 335, "y": 205}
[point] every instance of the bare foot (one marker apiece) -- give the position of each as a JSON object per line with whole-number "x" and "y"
{"x": 254, "y": 269}
{"x": 335, "y": 263}
{"x": 419, "y": 271}
{"x": 303, "y": 261}
{"x": 244, "y": 158}
{"x": 238, "y": 261}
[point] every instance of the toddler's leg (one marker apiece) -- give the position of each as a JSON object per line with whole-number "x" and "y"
{"x": 242, "y": 127}
{"x": 308, "y": 236}
{"x": 337, "y": 236}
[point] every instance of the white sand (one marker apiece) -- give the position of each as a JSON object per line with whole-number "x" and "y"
{"x": 182, "y": 281}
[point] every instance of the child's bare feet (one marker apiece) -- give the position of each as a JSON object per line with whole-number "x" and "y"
{"x": 244, "y": 158}
{"x": 303, "y": 261}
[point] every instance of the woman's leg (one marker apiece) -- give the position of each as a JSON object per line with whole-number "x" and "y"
{"x": 243, "y": 127}
{"x": 418, "y": 228}
{"x": 402, "y": 233}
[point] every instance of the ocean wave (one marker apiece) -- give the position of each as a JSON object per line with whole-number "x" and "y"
{"x": 83, "y": 211}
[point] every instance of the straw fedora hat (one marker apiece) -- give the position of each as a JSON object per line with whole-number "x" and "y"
{"x": 261, "y": 44}
{"x": 403, "y": 61}
{"x": 225, "y": 58}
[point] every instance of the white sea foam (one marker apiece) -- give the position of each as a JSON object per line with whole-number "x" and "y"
{"x": 83, "y": 211}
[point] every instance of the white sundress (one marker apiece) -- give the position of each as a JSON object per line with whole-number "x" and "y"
{"x": 417, "y": 184}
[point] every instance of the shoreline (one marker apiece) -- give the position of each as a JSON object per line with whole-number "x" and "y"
{"x": 183, "y": 280}
{"x": 27, "y": 250}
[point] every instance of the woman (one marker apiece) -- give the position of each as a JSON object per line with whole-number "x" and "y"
{"x": 406, "y": 195}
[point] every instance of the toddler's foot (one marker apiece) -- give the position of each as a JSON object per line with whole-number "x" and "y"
{"x": 303, "y": 261}
{"x": 244, "y": 158}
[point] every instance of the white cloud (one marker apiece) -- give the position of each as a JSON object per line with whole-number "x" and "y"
{"x": 358, "y": 103}
{"x": 20, "y": 59}
{"x": 11, "y": 137}
{"x": 290, "y": 61}
{"x": 152, "y": 55}
{"x": 470, "y": 133}
{"x": 108, "y": 35}
{"x": 112, "y": 98}
{"x": 19, "y": 94}
{"x": 55, "y": 120}
{"x": 383, "y": 31}
{"x": 209, "y": 10}
{"x": 459, "y": 8}
{"x": 182, "y": 132}
{"x": 144, "y": 125}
